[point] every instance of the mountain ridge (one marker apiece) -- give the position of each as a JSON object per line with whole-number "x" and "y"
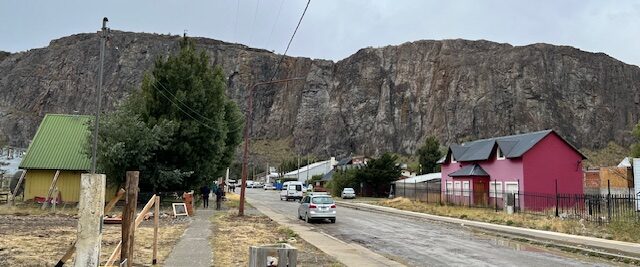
{"x": 377, "y": 99}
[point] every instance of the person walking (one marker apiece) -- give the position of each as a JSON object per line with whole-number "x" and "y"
{"x": 219, "y": 193}
{"x": 205, "y": 191}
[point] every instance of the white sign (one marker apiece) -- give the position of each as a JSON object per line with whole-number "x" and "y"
{"x": 636, "y": 181}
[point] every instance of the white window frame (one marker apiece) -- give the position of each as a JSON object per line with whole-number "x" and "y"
{"x": 457, "y": 188}
{"x": 449, "y": 187}
{"x": 517, "y": 188}
{"x": 493, "y": 186}
{"x": 499, "y": 154}
{"x": 466, "y": 188}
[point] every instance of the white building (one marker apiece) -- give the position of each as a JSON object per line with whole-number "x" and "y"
{"x": 306, "y": 172}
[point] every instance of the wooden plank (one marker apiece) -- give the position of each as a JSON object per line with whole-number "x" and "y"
{"x": 72, "y": 249}
{"x": 91, "y": 212}
{"x": 128, "y": 218}
{"x": 156, "y": 223}
{"x": 51, "y": 187}
{"x": 113, "y": 201}
{"x": 139, "y": 220}
{"x": 67, "y": 255}
{"x": 15, "y": 190}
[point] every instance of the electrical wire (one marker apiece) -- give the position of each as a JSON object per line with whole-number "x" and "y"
{"x": 192, "y": 110}
{"x": 290, "y": 40}
{"x": 253, "y": 24}
{"x": 187, "y": 113}
{"x": 273, "y": 27}
{"x": 235, "y": 30}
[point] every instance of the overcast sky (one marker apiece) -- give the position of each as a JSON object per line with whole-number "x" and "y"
{"x": 334, "y": 29}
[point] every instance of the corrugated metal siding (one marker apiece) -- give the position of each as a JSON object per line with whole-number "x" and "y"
{"x": 38, "y": 181}
{"x": 58, "y": 144}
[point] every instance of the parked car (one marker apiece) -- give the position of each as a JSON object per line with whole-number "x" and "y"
{"x": 348, "y": 193}
{"x": 317, "y": 206}
{"x": 291, "y": 190}
{"x": 269, "y": 186}
{"x": 249, "y": 184}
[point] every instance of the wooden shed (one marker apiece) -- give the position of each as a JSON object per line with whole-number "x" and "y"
{"x": 57, "y": 148}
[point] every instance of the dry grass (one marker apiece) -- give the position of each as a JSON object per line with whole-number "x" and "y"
{"x": 610, "y": 155}
{"x": 621, "y": 231}
{"x": 236, "y": 234}
{"x": 41, "y": 239}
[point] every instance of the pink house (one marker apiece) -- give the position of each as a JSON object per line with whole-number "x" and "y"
{"x": 531, "y": 164}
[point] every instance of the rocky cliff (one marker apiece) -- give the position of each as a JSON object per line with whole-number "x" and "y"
{"x": 379, "y": 99}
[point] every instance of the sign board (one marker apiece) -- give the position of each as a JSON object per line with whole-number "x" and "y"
{"x": 636, "y": 181}
{"x": 179, "y": 209}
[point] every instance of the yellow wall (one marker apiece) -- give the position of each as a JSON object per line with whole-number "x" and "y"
{"x": 37, "y": 183}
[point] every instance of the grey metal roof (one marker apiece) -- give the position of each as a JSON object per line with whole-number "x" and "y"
{"x": 469, "y": 170}
{"x": 512, "y": 146}
{"x": 328, "y": 176}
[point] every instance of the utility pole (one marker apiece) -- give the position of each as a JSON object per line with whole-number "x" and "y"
{"x": 245, "y": 152}
{"x": 307, "y": 182}
{"x": 103, "y": 41}
{"x": 298, "y": 167}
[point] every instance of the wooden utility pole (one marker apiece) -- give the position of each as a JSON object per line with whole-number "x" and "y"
{"x": 245, "y": 150}
{"x": 91, "y": 212}
{"x": 128, "y": 218}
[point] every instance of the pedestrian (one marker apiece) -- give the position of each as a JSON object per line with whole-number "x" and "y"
{"x": 205, "y": 191}
{"x": 219, "y": 193}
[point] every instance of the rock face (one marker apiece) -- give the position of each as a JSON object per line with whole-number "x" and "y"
{"x": 377, "y": 100}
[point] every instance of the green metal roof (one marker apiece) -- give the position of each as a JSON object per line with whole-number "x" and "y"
{"x": 58, "y": 144}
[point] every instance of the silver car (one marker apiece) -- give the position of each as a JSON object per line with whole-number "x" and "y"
{"x": 317, "y": 207}
{"x": 348, "y": 193}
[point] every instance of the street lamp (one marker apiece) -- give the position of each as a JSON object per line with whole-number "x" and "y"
{"x": 245, "y": 151}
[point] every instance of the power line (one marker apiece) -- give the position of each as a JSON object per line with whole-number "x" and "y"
{"x": 253, "y": 24}
{"x": 191, "y": 109}
{"x": 235, "y": 30}
{"x": 273, "y": 27}
{"x": 187, "y": 113}
{"x": 290, "y": 40}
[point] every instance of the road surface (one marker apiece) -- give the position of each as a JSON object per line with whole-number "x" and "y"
{"x": 416, "y": 242}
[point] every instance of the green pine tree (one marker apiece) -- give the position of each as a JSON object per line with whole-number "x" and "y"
{"x": 428, "y": 155}
{"x": 187, "y": 129}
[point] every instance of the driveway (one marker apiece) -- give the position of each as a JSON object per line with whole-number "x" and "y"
{"x": 424, "y": 242}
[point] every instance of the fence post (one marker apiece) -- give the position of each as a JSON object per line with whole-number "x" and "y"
{"x": 446, "y": 193}
{"x": 129, "y": 217}
{"x": 557, "y": 215}
{"x": 495, "y": 194}
{"x": 469, "y": 193}
{"x": 609, "y": 200}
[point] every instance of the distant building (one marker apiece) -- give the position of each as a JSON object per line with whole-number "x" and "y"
{"x": 58, "y": 146}
{"x": 305, "y": 173}
{"x": 481, "y": 171}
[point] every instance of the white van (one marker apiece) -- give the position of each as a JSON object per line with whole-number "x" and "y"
{"x": 291, "y": 190}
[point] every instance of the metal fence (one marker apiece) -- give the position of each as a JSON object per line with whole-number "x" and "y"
{"x": 600, "y": 208}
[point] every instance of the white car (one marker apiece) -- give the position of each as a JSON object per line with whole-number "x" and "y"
{"x": 348, "y": 193}
{"x": 269, "y": 186}
{"x": 317, "y": 207}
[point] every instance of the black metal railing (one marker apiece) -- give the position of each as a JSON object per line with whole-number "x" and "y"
{"x": 600, "y": 208}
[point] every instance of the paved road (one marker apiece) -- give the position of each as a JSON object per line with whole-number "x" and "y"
{"x": 427, "y": 243}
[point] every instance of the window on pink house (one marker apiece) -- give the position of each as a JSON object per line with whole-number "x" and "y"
{"x": 449, "y": 188}
{"x": 457, "y": 188}
{"x": 495, "y": 189}
{"x": 466, "y": 187}
{"x": 499, "y": 154}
